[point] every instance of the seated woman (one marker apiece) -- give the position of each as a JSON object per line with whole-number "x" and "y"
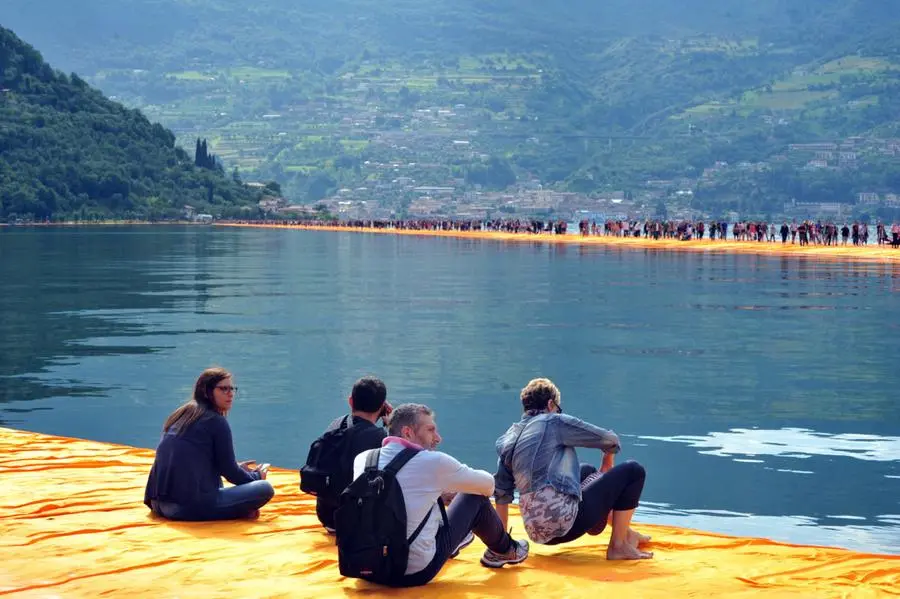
{"x": 561, "y": 500}
{"x": 195, "y": 451}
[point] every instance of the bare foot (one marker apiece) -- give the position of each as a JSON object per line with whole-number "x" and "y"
{"x": 636, "y": 539}
{"x": 626, "y": 552}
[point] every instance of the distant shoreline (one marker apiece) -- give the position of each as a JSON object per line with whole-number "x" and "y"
{"x": 105, "y": 223}
{"x": 868, "y": 253}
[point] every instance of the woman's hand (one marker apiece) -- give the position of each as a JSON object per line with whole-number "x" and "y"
{"x": 250, "y": 466}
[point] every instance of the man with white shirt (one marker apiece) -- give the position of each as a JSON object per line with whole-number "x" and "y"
{"x": 423, "y": 480}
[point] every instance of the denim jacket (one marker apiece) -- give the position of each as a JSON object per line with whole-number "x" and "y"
{"x": 545, "y": 454}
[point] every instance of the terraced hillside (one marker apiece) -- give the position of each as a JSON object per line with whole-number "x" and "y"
{"x": 66, "y": 151}
{"x": 589, "y": 97}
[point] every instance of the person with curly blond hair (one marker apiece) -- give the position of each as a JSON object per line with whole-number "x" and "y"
{"x": 560, "y": 499}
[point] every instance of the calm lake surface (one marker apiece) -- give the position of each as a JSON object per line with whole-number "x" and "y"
{"x": 762, "y": 394}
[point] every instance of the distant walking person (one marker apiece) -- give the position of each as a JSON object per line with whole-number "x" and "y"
{"x": 195, "y": 452}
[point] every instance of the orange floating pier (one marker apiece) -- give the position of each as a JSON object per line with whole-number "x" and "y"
{"x": 868, "y": 253}
{"x": 72, "y": 525}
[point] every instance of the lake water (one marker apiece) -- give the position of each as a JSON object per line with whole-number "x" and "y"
{"x": 761, "y": 393}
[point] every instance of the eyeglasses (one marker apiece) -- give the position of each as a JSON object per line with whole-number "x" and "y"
{"x": 558, "y": 407}
{"x": 227, "y": 388}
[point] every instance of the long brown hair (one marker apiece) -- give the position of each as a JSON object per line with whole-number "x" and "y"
{"x": 202, "y": 401}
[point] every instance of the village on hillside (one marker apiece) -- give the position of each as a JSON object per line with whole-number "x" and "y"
{"x": 404, "y": 186}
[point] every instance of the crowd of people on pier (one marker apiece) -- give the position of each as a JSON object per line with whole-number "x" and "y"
{"x": 805, "y": 232}
{"x": 398, "y": 508}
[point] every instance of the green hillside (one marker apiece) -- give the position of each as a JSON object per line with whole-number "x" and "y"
{"x": 589, "y": 96}
{"x": 67, "y": 151}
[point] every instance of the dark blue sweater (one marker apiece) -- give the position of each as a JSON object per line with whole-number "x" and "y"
{"x": 188, "y": 468}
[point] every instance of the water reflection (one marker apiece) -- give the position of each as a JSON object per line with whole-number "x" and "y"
{"x": 56, "y": 286}
{"x": 791, "y": 443}
{"x": 801, "y": 530}
{"x": 662, "y": 347}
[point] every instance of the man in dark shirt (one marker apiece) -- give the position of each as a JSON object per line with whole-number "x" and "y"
{"x": 368, "y": 403}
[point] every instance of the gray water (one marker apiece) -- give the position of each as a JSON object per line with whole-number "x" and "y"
{"x": 761, "y": 393}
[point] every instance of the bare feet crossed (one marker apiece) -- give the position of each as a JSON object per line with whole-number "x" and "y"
{"x": 625, "y": 551}
{"x": 636, "y": 539}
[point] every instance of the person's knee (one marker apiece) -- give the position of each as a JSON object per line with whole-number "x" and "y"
{"x": 264, "y": 489}
{"x": 468, "y": 503}
{"x": 471, "y": 499}
{"x": 635, "y": 470}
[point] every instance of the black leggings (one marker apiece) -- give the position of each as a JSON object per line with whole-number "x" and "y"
{"x": 618, "y": 489}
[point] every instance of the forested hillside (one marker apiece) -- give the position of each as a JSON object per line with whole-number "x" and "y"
{"x": 586, "y": 95}
{"x": 66, "y": 150}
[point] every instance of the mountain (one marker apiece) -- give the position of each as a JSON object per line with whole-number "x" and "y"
{"x": 66, "y": 150}
{"x": 585, "y": 95}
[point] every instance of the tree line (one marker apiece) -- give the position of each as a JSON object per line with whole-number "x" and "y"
{"x": 67, "y": 151}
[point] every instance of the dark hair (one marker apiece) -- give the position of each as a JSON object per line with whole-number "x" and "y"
{"x": 407, "y": 415}
{"x": 201, "y": 403}
{"x": 538, "y": 393}
{"x": 368, "y": 395}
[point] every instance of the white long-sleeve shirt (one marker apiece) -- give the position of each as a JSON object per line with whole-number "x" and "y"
{"x": 423, "y": 479}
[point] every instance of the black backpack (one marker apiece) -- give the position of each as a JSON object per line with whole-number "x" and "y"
{"x": 328, "y": 469}
{"x": 370, "y": 522}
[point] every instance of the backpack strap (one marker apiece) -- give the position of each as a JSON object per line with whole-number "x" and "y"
{"x": 440, "y": 503}
{"x": 422, "y": 524}
{"x": 350, "y": 432}
{"x": 400, "y": 460}
{"x": 393, "y": 467}
{"x": 372, "y": 460}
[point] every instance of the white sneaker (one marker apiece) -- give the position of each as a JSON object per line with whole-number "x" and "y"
{"x": 518, "y": 553}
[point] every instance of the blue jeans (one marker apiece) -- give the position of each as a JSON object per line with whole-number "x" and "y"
{"x": 231, "y": 503}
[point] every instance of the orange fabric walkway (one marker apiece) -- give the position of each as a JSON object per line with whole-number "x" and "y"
{"x": 72, "y": 525}
{"x": 870, "y": 253}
